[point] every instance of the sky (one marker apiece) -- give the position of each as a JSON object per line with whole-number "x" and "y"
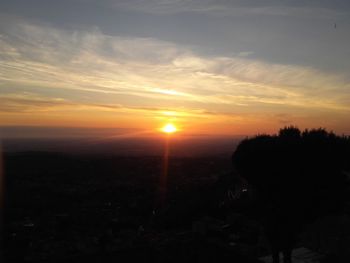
{"x": 209, "y": 67}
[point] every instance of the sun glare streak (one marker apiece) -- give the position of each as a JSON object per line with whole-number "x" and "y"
{"x": 164, "y": 175}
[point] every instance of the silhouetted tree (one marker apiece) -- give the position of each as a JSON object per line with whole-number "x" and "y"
{"x": 298, "y": 176}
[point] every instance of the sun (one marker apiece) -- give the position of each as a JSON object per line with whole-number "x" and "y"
{"x": 169, "y": 128}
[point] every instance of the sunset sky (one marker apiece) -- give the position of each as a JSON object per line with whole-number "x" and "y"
{"x": 209, "y": 67}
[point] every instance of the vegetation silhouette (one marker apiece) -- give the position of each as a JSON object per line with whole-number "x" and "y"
{"x": 295, "y": 177}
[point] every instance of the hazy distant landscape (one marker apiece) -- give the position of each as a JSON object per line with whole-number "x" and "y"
{"x": 127, "y": 147}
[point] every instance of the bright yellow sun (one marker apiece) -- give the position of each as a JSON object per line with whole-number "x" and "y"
{"x": 169, "y": 128}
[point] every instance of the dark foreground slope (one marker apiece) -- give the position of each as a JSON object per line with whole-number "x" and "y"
{"x": 88, "y": 208}
{"x": 61, "y": 208}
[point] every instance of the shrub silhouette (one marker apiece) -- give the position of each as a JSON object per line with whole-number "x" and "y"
{"x": 297, "y": 176}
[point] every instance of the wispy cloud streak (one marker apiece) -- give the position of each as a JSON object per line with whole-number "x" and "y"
{"x": 232, "y": 8}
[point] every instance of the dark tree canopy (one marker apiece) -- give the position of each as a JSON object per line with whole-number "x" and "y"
{"x": 297, "y": 176}
{"x": 294, "y": 170}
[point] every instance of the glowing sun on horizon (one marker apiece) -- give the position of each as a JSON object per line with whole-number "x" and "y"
{"x": 169, "y": 128}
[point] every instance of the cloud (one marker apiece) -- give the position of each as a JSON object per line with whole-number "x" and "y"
{"x": 231, "y": 8}
{"x": 29, "y": 103}
{"x": 130, "y": 73}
